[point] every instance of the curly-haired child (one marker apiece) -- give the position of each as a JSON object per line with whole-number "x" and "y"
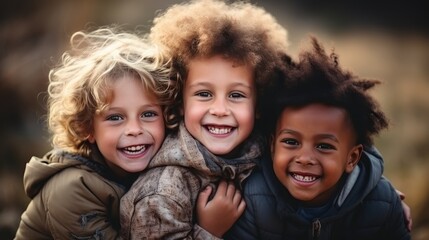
{"x": 320, "y": 183}
{"x": 224, "y": 55}
{"x": 105, "y": 113}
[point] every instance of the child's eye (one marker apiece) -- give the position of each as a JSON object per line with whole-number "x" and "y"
{"x": 203, "y": 94}
{"x": 236, "y": 95}
{"x": 325, "y": 146}
{"x": 290, "y": 141}
{"x": 114, "y": 117}
{"x": 149, "y": 114}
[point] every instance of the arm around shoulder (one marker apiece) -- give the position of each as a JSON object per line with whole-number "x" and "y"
{"x": 160, "y": 205}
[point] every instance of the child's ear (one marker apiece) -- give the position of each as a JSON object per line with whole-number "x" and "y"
{"x": 354, "y": 157}
{"x": 91, "y": 138}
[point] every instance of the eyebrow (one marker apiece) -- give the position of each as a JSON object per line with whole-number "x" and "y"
{"x": 323, "y": 135}
{"x": 209, "y": 83}
{"x": 150, "y": 106}
{"x": 288, "y": 131}
{"x": 329, "y": 136}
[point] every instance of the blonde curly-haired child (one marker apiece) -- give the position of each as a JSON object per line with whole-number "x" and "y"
{"x": 105, "y": 113}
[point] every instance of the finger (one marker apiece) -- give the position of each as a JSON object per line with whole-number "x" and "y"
{"x": 230, "y": 190}
{"x": 222, "y": 188}
{"x": 203, "y": 197}
{"x": 401, "y": 194}
{"x": 241, "y": 207}
{"x": 410, "y": 225}
{"x": 407, "y": 215}
{"x": 237, "y": 197}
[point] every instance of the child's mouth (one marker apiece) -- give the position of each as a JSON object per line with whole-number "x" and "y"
{"x": 135, "y": 150}
{"x": 304, "y": 178}
{"x": 219, "y": 130}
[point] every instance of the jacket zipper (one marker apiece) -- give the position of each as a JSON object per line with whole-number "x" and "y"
{"x": 316, "y": 229}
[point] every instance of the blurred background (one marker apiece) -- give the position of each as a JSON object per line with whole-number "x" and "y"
{"x": 389, "y": 42}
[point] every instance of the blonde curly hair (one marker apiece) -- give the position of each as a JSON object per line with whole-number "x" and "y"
{"x": 239, "y": 31}
{"x": 80, "y": 86}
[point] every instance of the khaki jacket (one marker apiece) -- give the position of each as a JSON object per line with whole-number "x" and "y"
{"x": 70, "y": 199}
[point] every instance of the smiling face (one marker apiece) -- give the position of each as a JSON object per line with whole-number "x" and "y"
{"x": 131, "y": 130}
{"x": 219, "y": 103}
{"x": 313, "y": 147}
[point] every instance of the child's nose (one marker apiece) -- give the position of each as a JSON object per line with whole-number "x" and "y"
{"x": 305, "y": 157}
{"x": 133, "y": 128}
{"x": 219, "y": 108}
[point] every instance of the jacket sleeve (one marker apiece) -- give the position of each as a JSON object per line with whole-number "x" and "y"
{"x": 202, "y": 234}
{"x": 32, "y": 225}
{"x": 78, "y": 205}
{"x": 160, "y": 217}
{"x": 160, "y": 205}
{"x": 396, "y": 227}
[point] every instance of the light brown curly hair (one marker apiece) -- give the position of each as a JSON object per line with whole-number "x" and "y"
{"x": 239, "y": 31}
{"x": 80, "y": 85}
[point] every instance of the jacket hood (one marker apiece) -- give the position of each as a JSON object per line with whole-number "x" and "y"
{"x": 362, "y": 179}
{"x": 39, "y": 170}
{"x": 181, "y": 149}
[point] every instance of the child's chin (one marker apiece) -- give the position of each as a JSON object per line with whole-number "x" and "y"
{"x": 220, "y": 151}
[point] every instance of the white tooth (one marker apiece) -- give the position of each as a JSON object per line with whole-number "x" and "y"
{"x": 219, "y": 130}
{"x": 304, "y": 178}
{"x": 135, "y": 149}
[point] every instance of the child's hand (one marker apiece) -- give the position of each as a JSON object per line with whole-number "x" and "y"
{"x": 407, "y": 210}
{"x": 219, "y": 214}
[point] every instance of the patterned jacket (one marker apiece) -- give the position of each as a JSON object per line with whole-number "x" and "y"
{"x": 160, "y": 204}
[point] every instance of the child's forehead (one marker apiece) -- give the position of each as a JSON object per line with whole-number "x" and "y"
{"x": 316, "y": 115}
{"x": 208, "y": 62}
{"x": 105, "y": 89}
{"x": 218, "y": 68}
{"x": 235, "y": 61}
{"x": 317, "y": 118}
{"x": 316, "y": 108}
